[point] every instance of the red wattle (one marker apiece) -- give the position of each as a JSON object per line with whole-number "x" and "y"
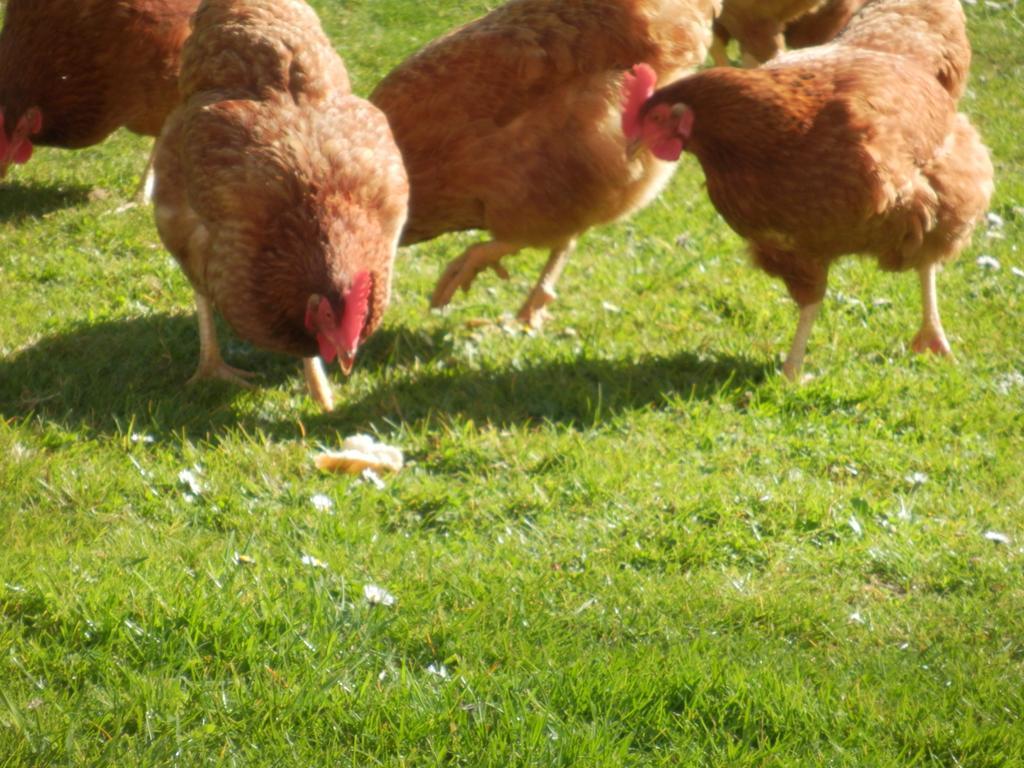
{"x": 327, "y": 350}
{"x": 22, "y": 152}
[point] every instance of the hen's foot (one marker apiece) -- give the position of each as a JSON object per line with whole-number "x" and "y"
{"x": 794, "y": 376}
{"x": 931, "y": 337}
{"x": 534, "y": 311}
{"x": 218, "y": 369}
{"x": 931, "y": 340}
{"x": 317, "y": 383}
{"x": 461, "y": 272}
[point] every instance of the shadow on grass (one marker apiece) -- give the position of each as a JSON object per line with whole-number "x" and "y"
{"x": 19, "y": 201}
{"x": 576, "y": 393}
{"x": 107, "y": 376}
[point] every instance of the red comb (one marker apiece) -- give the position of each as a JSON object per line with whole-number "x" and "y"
{"x": 637, "y": 86}
{"x": 356, "y": 304}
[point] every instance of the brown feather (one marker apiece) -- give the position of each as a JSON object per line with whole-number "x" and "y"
{"x": 933, "y": 33}
{"x": 274, "y": 182}
{"x": 511, "y": 123}
{"x": 836, "y": 150}
{"x": 822, "y": 24}
{"x": 91, "y": 66}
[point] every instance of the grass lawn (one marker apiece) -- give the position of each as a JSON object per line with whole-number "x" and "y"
{"x": 622, "y": 542}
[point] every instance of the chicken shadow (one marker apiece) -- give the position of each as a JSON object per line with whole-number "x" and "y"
{"x": 21, "y": 201}
{"x": 106, "y": 377}
{"x": 575, "y": 393}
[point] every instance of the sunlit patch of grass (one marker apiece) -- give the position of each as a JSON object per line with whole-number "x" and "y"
{"x": 621, "y": 542}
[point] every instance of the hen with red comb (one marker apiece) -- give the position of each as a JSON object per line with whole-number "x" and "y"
{"x": 510, "y": 124}
{"x": 282, "y": 207}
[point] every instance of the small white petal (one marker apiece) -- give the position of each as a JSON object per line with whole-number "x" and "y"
{"x": 190, "y": 478}
{"x": 856, "y": 618}
{"x": 313, "y": 562}
{"x": 994, "y": 219}
{"x": 609, "y": 307}
{"x": 854, "y": 524}
{"x": 377, "y": 595}
{"x": 1017, "y": 271}
{"x": 987, "y": 262}
{"x": 1009, "y": 381}
{"x": 321, "y": 502}
{"x": 438, "y": 670}
{"x": 916, "y": 478}
{"x": 997, "y": 537}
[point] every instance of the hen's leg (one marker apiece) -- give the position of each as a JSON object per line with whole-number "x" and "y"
{"x": 795, "y": 358}
{"x": 931, "y": 337}
{"x": 144, "y": 192}
{"x": 317, "y": 383}
{"x": 461, "y": 272}
{"x": 534, "y": 312}
{"x": 211, "y": 364}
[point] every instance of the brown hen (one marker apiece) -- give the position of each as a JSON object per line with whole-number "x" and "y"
{"x": 830, "y": 151}
{"x": 511, "y": 124}
{"x": 280, "y": 193}
{"x": 74, "y": 71}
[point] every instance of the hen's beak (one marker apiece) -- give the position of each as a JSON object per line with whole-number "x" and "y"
{"x": 346, "y": 360}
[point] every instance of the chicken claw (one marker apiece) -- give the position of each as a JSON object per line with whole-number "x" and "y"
{"x": 461, "y": 272}
{"x": 931, "y": 337}
{"x": 931, "y": 340}
{"x": 534, "y": 313}
{"x": 211, "y": 364}
{"x": 218, "y": 369}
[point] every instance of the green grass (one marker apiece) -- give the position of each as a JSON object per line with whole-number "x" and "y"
{"x": 625, "y": 540}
